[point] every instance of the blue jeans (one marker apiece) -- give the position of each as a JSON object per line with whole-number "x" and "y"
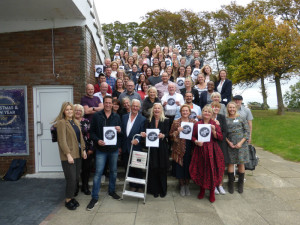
{"x": 101, "y": 158}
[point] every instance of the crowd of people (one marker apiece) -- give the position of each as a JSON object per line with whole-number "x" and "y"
{"x": 158, "y": 88}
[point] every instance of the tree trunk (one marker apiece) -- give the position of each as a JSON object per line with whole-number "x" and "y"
{"x": 264, "y": 94}
{"x": 280, "y": 110}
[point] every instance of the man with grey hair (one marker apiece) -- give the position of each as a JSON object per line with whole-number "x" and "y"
{"x": 132, "y": 124}
{"x": 130, "y": 93}
{"x": 103, "y": 91}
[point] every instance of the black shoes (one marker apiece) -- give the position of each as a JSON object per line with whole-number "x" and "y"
{"x": 70, "y": 205}
{"x": 114, "y": 195}
{"x": 86, "y": 191}
{"x": 75, "y": 202}
{"x": 92, "y": 204}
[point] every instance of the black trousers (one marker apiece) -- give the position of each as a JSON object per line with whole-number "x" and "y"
{"x": 133, "y": 172}
{"x": 86, "y": 171}
{"x": 72, "y": 173}
{"x": 157, "y": 181}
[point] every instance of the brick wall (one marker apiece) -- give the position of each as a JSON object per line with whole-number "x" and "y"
{"x": 26, "y": 59}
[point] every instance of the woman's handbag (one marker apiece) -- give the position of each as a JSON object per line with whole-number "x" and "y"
{"x": 53, "y": 133}
{"x": 253, "y": 158}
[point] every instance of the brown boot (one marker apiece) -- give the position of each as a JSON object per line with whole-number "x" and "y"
{"x": 241, "y": 183}
{"x": 230, "y": 183}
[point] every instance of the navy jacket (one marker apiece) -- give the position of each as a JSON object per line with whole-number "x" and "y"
{"x": 137, "y": 128}
{"x": 99, "y": 121}
{"x": 226, "y": 91}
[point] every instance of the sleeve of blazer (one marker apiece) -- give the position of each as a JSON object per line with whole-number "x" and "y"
{"x": 227, "y": 91}
{"x": 62, "y": 136}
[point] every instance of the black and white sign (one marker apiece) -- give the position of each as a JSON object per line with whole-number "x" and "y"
{"x": 204, "y": 132}
{"x": 168, "y": 62}
{"x": 193, "y": 115}
{"x": 98, "y": 70}
{"x": 180, "y": 82}
{"x": 171, "y": 101}
{"x": 187, "y": 130}
{"x": 121, "y": 67}
{"x": 110, "y": 135}
{"x": 117, "y": 48}
{"x": 195, "y": 74}
{"x": 152, "y": 139}
{"x": 129, "y": 42}
{"x": 178, "y": 47}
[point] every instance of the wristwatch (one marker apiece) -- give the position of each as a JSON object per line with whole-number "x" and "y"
{"x": 94, "y": 109}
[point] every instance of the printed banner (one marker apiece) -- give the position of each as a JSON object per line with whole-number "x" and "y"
{"x": 13, "y": 121}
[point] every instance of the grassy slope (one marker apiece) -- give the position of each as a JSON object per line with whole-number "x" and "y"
{"x": 277, "y": 134}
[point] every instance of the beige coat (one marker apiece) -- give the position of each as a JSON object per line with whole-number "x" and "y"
{"x": 67, "y": 140}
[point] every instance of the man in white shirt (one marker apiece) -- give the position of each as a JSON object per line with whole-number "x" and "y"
{"x": 103, "y": 91}
{"x": 132, "y": 123}
{"x": 195, "y": 109}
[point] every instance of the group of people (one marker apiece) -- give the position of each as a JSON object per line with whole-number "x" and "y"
{"x": 156, "y": 89}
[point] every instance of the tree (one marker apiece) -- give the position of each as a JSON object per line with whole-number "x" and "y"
{"x": 118, "y": 33}
{"x": 292, "y": 97}
{"x": 261, "y": 48}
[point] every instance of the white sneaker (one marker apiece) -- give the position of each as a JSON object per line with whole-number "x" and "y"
{"x": 221, "y": 190}
{"x": 182, "y": 190}
{"x": 187, "y": 190}
{"x": 216, "y": 191}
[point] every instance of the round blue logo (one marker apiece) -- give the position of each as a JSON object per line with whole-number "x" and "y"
{"x": 171, "y": 101}
{"x": 186, "y": 129}
{"x": 180, "y": 83}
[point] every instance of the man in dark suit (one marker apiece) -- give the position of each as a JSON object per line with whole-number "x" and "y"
{"x": 132, "y": 123}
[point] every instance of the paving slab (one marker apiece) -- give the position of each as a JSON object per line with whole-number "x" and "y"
{"x": 281, "y": 217}
{"x": 199, "y": 218}
{"x": 273, "y": 181}
{"x": 114, "y": 219}
{"x": 236, "y": 212}
{"x": 287, "y": 193}
{"x": 127, "y": 205}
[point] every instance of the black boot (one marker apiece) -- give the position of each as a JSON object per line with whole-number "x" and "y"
{"x": 241, "y": 183}
{"x": 230, "y": 183}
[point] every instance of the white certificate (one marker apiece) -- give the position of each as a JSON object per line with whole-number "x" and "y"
{"x": 168, "y": 62}
{"x": 110, "y": 135}
{"x": 178, "y": 47}
{"x": 129, "y": 41}
{"x": 204, "y": 132}
{"x": 187, "y": 130}
{"x": 152, "y": 139}
{"x": 195, "y": 74}
{"x": 171, "y": 103}
{"x": 117, "y": 48}
{"x": 180, "y": 82}
{"x": 98, "y": 70}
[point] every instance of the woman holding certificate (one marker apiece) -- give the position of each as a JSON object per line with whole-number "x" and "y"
{"x": 159, "y": 157}
{"x": 207, "y": 164}
{"x": 182, "y": 148}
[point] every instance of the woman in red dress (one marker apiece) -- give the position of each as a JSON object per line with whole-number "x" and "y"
{"x": 207, "y": 164}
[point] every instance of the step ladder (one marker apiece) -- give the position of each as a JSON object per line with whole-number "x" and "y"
{"x": 134, "y": 161}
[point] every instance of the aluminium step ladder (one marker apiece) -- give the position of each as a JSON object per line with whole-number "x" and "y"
{"x": 138, "y": 160}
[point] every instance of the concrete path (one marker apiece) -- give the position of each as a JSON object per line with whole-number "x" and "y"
{"x": 271, "y": 196}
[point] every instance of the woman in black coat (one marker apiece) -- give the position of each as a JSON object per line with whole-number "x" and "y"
{"x": 159, "y": 157}
{"x": 224, "y": 87}
{"x": 149, "y": 101}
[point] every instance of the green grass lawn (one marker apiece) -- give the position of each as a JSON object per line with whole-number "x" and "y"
{"x": 277, "y": 134}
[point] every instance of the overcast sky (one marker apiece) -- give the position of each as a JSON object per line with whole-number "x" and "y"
{"x": 133, "y": 10}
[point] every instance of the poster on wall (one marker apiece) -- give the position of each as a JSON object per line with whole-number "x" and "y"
{"x": 13, "y": 121}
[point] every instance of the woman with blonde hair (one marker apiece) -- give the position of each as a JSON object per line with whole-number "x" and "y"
{"x": 216, "y": 97}
{"x": 71, "y": 147}
{"x": 86, "y": 163}
{"x": 114, "y": 69}
{"x": 149, "y": 101}
{"x": 237, "y": 139}
{"x": 207, "y": 164}
{"x": 207, "y": 71}
{"x": 159, "y": 157}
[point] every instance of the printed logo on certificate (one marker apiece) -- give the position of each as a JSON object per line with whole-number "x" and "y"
{"x": 98, "y": 70}
{"x": 117, "y": 47}
{"x": 152, "y": 139}
{"x": 204, "y": 132}
{"x": 193, "y": 115}
{"x": 168, "y": 62}
{"x": 110, "y": 135}
{"x": 187, "y": 131}
{"x": 121, "y": 67}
